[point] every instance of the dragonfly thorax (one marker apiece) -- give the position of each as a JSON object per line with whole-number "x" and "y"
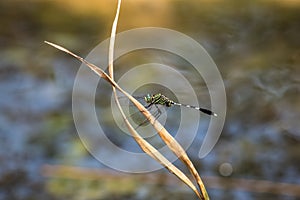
{"x": 158, "y": 99}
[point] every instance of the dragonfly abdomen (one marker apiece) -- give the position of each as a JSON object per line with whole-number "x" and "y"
{"x": 206, "y": 111}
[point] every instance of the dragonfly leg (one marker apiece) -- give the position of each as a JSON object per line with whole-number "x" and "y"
{"x": 156, "y": 115}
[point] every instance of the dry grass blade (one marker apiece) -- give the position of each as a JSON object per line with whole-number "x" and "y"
{"x": 145, "y": 146}
{"x": 166, "y": 137}
{"x": 163, "y": 133}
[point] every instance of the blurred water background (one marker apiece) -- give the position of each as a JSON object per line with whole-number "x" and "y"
{"x": 255, "y": 45}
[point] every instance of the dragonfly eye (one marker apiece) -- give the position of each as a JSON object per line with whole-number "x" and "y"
{"x": 148, "y": 98}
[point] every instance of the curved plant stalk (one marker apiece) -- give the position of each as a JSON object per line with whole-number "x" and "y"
{"x": 142, "y": 143}
{"x": 174, "y": 146}
{"x": 163, "y": 133}
{"x": 145, "y": 146}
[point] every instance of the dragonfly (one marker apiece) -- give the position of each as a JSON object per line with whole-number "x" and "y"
{"x": 160, "y": 99}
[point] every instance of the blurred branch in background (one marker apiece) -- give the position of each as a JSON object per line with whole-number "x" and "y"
{"x": 166, "y": 179}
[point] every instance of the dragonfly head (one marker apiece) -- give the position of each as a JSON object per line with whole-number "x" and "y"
{"x": 148, "y": 98}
